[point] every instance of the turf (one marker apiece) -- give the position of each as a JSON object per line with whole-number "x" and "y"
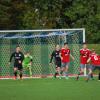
{"x": 49, "y": 89}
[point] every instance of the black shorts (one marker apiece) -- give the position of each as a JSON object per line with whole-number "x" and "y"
{"x": 96, "y": 67}
{"x": 18, "y": 66}
{"x": 58, "y": 63}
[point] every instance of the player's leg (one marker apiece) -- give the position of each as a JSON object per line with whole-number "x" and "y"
{"x": 56, "y": 72}
{"x": 89, "y": 73}
{"x": 30, "y": 70}
{"x": 66, "y": 70}
{"x": 58, "y": 67}
{"x": 98, "y": 73}
{"x": 20, "y": 68}
{"x": 62, "y": 68}
{"x": 82, "y": 66}
{"x": 15, "y": 72}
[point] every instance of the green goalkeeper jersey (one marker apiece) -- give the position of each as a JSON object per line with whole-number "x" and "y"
{"x": 27, "y": 59}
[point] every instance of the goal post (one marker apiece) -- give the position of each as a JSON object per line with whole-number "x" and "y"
{"x": 40, "y": 43}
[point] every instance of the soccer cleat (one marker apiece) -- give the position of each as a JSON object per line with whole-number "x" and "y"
{"x": 30, "y": 76}
{"x": 21, "y": 78}
{"x": 54, "y": 76}
{"x": 87, "y": 79}
{"x": 77, "y": 78}
{"x": 67, "y": 78}
{"x": 15, "y": 77}
{"x": 60, "y": 77}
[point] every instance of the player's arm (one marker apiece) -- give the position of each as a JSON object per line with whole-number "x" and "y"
{"x": 52, "y": 55}
{"x": 72, "y": 57}
{"x": 31, "y": 60}
{"x": 61, "y": 54}
{"x": 22, "y": 58}
{"x": 82, "y": 53}
{"x": 89, "y": 60}
{"x": 12, "y": 55}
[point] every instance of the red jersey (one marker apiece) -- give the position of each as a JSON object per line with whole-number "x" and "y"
{"x": 84, "y": 55}
{"x": 65, "y": 54}
{"x": 95, "y": 59}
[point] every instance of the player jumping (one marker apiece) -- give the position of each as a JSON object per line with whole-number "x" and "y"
{"x": 84, "y": 55}
{"x": 18, "y": 59}
{"x": 57, "y": 60}
{"x": 95, "y": 63}
{"x": 65, "y": 57}
{"x": 27, "y": 62}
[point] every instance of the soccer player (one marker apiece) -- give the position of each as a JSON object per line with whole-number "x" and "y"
{"x": 95, "y": 62}
{"x": 65, "y": 58}
{"x": 84, "y": 55}
{"x": 27, "y": 62}
{"x": 18, "y": 59}
{"x": 57, "y": 60}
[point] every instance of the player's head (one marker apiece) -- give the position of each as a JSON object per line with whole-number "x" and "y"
{"x": 84, "y": 45}
{"x": 93, "y": 51}
{"x": 27, "y": 53}
{"x": 65, "y": 45}
{"x": 18, "y": 49}
{"x": 57, "y": 47}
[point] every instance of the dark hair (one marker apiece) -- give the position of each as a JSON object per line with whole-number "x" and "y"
{"x": 65, "y": 43}
{"x": 27, "y": 52}
{"x": 17, "y": 46}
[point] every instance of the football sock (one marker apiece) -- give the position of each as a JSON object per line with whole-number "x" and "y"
{"x": 15, "y": 73}
{"x": 20, "y": 75}
{"x": 99, "y": 76}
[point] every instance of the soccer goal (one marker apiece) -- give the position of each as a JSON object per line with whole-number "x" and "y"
{"x": 40, "y": 43}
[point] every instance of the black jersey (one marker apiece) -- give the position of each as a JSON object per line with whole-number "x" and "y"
{"x": 18, "y": 56}
{"x": 56, "y": 56}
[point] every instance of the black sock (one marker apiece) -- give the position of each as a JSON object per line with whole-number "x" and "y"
{"x": 61, "y": 72}
{"x": 78, "y": 73}
{"x": 91, "y": 75}
{"x": 15, "y": 73}
{"x": 56, "y": 73}
{"x": 99, "y": 77}
{"x": 20, "y": 75}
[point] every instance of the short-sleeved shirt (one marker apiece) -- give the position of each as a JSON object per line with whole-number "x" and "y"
{"x": 56, "y": 55}
{"x": 95, "y": 59}
{"x": 84, "y": 55}
{"x": 27, "y": 59}
{"x": 65, "y": 54}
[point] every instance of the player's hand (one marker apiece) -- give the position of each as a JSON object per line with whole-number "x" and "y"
{"x": 61, "y": 58}
{"x": 19, "y": 61}
{"x": 73, "y": 58}
{"x": 31, "y": 63}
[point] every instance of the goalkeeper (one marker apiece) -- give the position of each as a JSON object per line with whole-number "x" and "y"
{"x": 27, "y": 63}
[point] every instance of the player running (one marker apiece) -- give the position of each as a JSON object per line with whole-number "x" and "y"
{"x": 84, "y": 55}
{"x": 18, "y": 59}
{"x": 27, "y": 63}
{"x": 65, "y": 58}
{"x": 95, "y": 63}
{"x": 57, "y": 60}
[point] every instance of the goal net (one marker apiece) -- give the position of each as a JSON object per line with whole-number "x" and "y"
{"x": 40, "y": 43}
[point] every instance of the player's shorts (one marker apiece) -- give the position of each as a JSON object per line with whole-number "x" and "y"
{"x": 85, "y": 65}
{"x": 18, "y": 66}
{"x": 95, "y": 67}
{"x": 26, "y": 65}
{"x": 58, "y": 63}
{"x": 64, "y": 64}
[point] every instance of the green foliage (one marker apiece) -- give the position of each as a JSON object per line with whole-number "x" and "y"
{"x": 41, "y": 14}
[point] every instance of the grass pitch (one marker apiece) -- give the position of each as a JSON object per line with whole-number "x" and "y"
{"x": 49, "y": 89}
